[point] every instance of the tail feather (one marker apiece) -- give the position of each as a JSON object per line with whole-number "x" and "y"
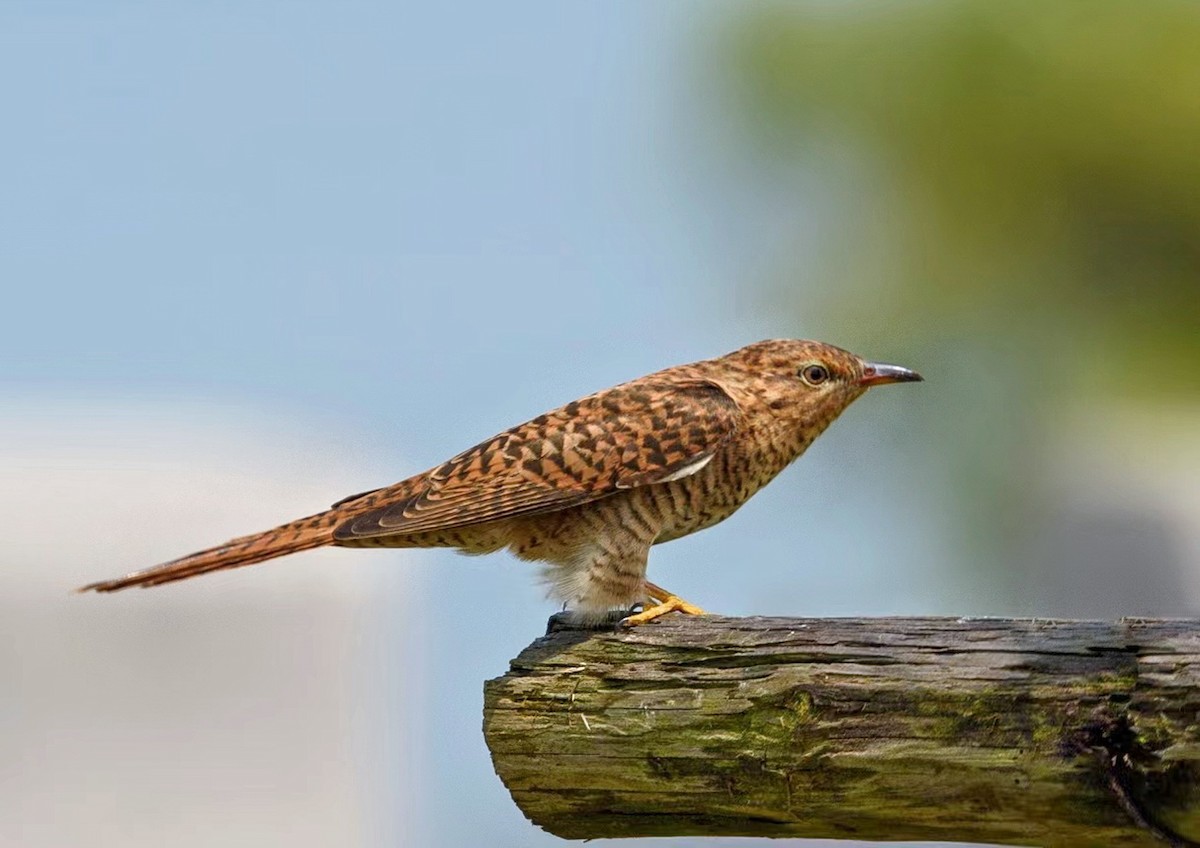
{"x": 300, "y": 535}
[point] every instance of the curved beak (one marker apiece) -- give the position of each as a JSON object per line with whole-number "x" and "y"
{"x": 876, "y": 374}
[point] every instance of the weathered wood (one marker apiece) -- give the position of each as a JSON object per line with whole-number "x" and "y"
{"x": 1021, "y": 732}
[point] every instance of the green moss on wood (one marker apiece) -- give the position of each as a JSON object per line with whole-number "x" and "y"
{"x": 915, "y": 728}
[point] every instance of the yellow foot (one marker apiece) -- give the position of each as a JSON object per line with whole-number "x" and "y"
{"x": 666, "y": 602}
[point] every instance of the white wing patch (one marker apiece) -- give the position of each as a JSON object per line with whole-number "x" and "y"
{"x": 688, "y": 470}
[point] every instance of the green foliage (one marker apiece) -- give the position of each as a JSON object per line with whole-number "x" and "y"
{"x": 1005, "y": 196}
{"x": 1021, "y": 168}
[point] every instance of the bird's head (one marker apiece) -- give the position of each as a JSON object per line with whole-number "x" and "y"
{"x": 808, "y": 383}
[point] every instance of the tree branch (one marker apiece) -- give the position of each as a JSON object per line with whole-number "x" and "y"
{"x": 1021, "y": 732}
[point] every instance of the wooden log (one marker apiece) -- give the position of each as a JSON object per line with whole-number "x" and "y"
{"x": 1015, "y": 732}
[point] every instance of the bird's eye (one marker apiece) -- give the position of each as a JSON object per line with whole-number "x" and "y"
{"x": 814, "y": 375}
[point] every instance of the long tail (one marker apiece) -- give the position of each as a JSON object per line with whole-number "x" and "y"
{"x": 300, "y": 535}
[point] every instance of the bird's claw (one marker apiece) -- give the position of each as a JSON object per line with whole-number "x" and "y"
{"x": 667, "y": 603}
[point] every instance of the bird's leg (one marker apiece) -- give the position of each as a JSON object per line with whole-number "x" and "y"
{"x": 665, "y": 602}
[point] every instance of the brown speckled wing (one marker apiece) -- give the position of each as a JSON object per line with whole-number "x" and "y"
{"x": 636, "y": 434}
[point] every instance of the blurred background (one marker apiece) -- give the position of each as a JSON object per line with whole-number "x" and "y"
{"x": 258, "y": 256}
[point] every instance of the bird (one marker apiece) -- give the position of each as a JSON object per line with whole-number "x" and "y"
{"x": 587, "y": 489}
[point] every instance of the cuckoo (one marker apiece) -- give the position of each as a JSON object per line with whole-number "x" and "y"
{"x": 588, "y": 488}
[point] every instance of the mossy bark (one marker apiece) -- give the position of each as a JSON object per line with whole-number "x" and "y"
{"x": 1021, "y": 732}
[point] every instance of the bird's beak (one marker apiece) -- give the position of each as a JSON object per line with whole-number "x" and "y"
{"x": 876, "y": 374}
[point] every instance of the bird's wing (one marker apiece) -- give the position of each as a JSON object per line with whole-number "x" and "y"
{"x": 632, "y": 435}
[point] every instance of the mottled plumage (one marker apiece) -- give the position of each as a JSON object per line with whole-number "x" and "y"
{"x": 588, "y": 488}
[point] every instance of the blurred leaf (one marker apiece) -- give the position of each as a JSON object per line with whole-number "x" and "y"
{"x": 1028, "y": 163}
{"x": 1008, "y": 198}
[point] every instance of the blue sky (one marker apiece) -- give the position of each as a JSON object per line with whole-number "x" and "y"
{"x": 396, "y": 229}
{"x": 312, "y": 205}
